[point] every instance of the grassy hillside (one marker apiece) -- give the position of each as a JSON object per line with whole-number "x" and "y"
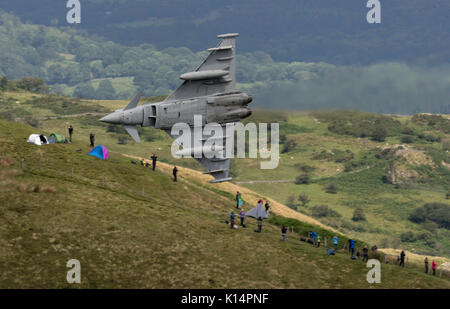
{"x": 322, "y": 145}
{"x": 131, "y": 227}
{"x": 386, "y": 176}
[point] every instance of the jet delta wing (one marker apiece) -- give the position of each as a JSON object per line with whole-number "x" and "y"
{"x": 208, "y": 91}
{"x": 215, "y": 75}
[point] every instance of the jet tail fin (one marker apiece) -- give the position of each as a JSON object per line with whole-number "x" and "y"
{"x": 132, "y": 130}
{"x": 133, "y": 103}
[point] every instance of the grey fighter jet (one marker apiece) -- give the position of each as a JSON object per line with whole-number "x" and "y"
{"x": 208, "y": 91}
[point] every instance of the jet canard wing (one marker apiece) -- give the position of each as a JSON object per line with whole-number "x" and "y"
{"x": 218, "y": 165}
{"x": 215, "y": 75}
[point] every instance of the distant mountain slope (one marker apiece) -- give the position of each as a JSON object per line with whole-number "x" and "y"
{"x": 327, "y": 30}
{"x": 75, "y": 63}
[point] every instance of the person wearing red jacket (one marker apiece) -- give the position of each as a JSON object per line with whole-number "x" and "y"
{"x": 433, "y": 267}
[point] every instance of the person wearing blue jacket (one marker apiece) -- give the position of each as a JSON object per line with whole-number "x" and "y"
{"x": 335, "y": 242}
{"x": 232, "y": 219}
{"x": 352, "y": 246}
{"x": 313, "y": 236}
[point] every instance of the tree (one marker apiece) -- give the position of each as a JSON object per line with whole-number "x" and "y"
{"x": 303, "y": 179}
{"x": 407, "y": 139}
{"x": 304, "y": 199}
{"x": 289, "y": 145}
{"x": 105, "y": 90}
{"x": 379, "y": 134}
{"x": 358, "y": 215}
{"x": 291, "y": 202}
{"x": 408, "y": 237}
{"x": 324, "y": 211}
{"x": 331, "y": 188}
{"x": 33, "y": 84}
{"x": 3, "y": 82}
{"x": 84, "y": 90}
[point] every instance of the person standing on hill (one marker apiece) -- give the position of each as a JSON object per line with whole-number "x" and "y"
{"x": 402, "y": 258}
{"x": 365, "y": 253}
{"x": 283, "y": 232}
{"x": 313, "y": 236}
{"x": 433, "y": 267}
{"x": 238, "y": 199}
{"x": 153, "y": 157}
{"x": 267, "y": 206}
{"x": 242, "y": 217}
{"x": 70, "y": 133}
{"x": 318, "y": 241}
{"x": 259, "y": 225}
{"x": 352, "y": 246}
{"x": 232, "y": 220}
{"x": 335, "y": 242}
{"x": 174, "y": 172}
{"x": 426, "y": 265}
{"x": 92, "y": 139}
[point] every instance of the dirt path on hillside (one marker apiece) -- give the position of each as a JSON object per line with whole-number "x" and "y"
{"x": 263, "y": 181}
{"x": 248, "y": 195}
{"x": 251, "y": 197}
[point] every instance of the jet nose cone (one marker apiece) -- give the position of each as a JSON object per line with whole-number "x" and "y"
{"x": 115, "y": 117}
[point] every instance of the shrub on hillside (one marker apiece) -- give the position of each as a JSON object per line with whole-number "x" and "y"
{"x": 320, "y": 211}
{"x": 358, "y": 215}
{"x": 331, "y": 188}
{"x": 291, "y": 202}
{"x": 432, "y": 138}
{"x": 34, "y": 122}
{"x": 357, "y": 124}
{"x": 407, "y": 139}
{"x": 304, "y": 199}
{"x": 303, "y": 179}
{"x": 408, "y": 131}
{"x": 289, "y": 145}
{"x": 379, "y": 134}
{"x": 408, "y": 237}
{"x": 305, "y": 167}
{"x": 122, "y": 140}
{"x": 436, "y": 212}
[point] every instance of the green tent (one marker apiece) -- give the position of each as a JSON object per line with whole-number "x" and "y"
{"x": 56, "y": 138}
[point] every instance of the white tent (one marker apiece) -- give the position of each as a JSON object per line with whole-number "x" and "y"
{"x": 257, "y": 211}
{"x": 37, "y": 139}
